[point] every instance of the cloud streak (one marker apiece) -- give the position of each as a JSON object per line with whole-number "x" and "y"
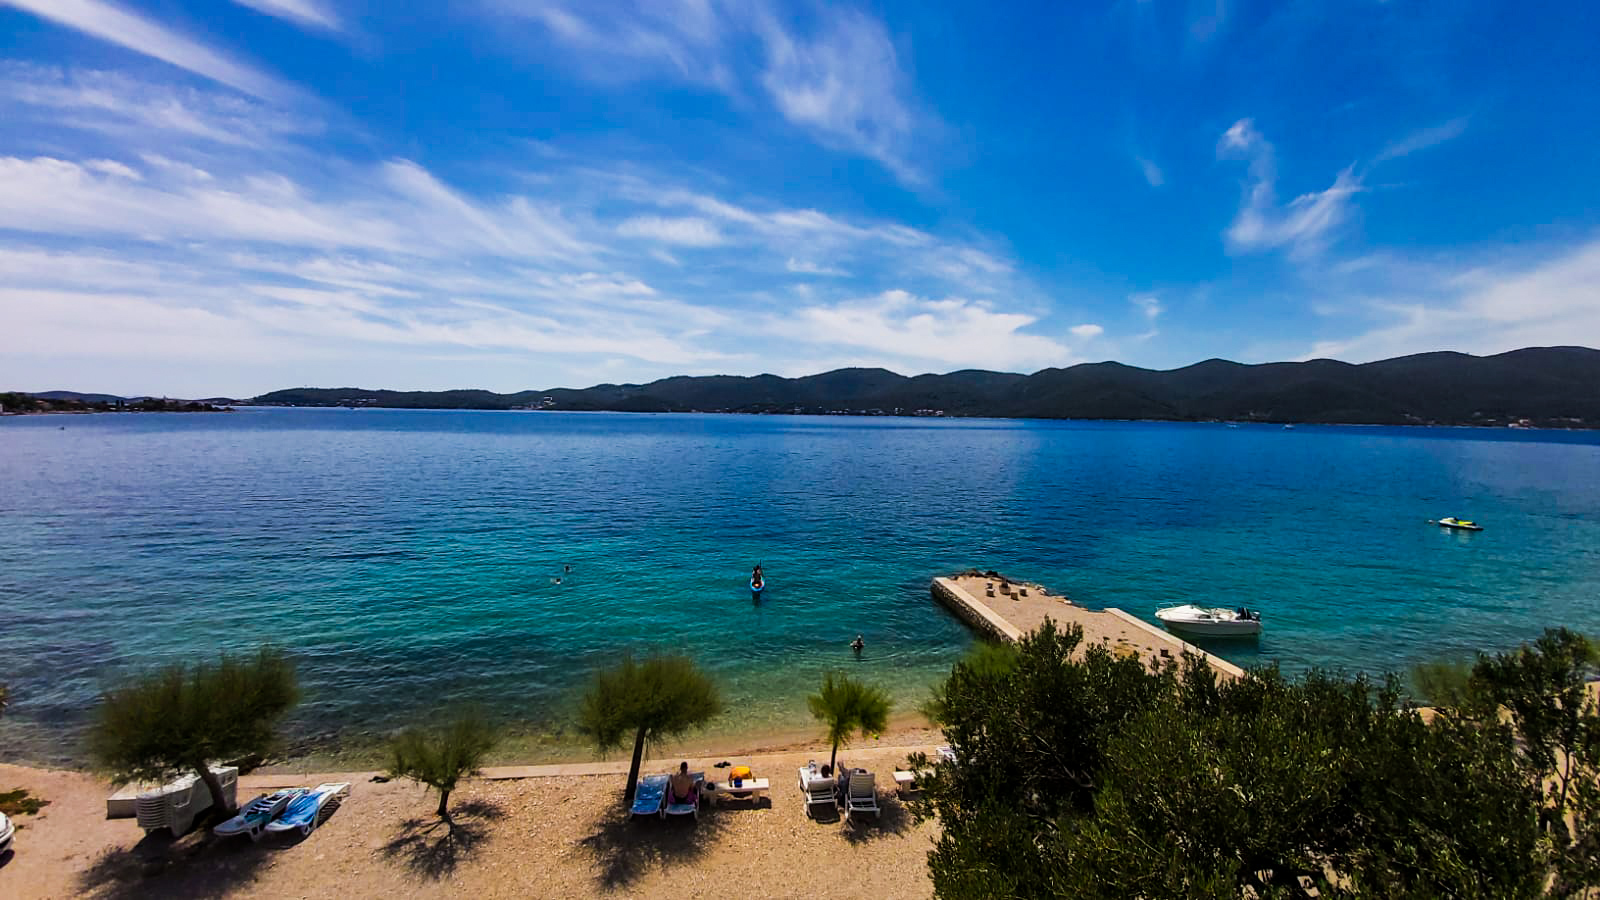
{"x": 841, "y": 82}
{"x": 300, "y": 12}
{"x": 115, "y": 25}
{"x": 1304, "y": 225}
{"x": 1548, "y": 302}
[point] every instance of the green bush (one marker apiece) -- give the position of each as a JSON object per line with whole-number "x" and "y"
{"x": 661, "y": 697}
{"x": 1095, "y": 777}
{"x": 440, "y": 758}
{"x": 184, "y": 718}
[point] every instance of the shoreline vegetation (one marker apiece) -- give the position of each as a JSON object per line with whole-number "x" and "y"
{"x": 1536, "y": 387}
{"x": 1547, "y": 387}
{"x": 20, "y": 404}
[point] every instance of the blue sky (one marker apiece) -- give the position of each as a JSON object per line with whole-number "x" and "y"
{"x": 231, "y": 196}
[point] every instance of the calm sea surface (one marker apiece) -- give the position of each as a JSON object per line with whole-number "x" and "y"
{"x": 408, "y": 559}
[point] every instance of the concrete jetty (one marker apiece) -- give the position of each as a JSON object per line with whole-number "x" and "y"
{"x": 1005, "y": 610}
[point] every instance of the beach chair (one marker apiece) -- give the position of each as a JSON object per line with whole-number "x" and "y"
{"x": 691, "y": 807}
{"x": 817, "y": 791}
{"x": 311, "y": 808}
{"x": 947, "y": 753}
{"x": 863, "y": 796}
{"x": 258, "y": 813}
{"x": 649, "y": 795}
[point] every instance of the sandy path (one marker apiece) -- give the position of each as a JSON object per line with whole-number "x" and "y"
{"x": 536, "y": 837}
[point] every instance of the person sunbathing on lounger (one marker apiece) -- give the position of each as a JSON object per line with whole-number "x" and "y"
{"x": 683, "y": 785}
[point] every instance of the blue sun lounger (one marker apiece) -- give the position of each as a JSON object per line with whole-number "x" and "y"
{"x": 691, "y": 807}
{"x": 305, "y": 812}
{"x": 649, "y": 795}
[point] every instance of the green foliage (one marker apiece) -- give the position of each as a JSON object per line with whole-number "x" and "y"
{"x": 985, "y": 657}
{"x": 5, "y": 698}
{"x": 441, "y": 757}
{"x": 847, "y": 706}
{"x": 651, "y": 700}
{"x": 1543, "y": 688}
{"x": 1445, "y": 683}
{"x": 12, "y": 401}
{"x": 183, "y": 718}
{"x": 1096, "y": 777}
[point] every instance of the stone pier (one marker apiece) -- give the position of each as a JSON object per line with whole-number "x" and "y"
{"x": 1004, "y": 610}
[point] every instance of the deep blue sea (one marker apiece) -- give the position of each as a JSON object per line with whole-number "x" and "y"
{"x": 408, "y": 559}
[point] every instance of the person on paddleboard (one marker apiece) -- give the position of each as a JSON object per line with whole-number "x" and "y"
{"x": 756, "y": 578}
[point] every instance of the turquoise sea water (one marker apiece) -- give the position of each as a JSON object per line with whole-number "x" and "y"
{"x": 407, "y": 558}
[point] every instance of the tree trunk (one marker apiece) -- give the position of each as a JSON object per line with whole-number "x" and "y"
{"x": 218, "y": 801}
{"x": 833, "y": 759}
{"x": 633, "y": 770}
{"x": 444, "y": 805}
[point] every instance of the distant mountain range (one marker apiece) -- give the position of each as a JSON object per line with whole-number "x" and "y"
{"x": 1542, "y": 386}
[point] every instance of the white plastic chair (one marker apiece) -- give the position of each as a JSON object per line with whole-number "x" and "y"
{"x": 818, "y": 792}
{"x": 863, "y": 794}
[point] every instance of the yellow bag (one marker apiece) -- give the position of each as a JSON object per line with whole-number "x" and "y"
{"x": 741, "y": 772}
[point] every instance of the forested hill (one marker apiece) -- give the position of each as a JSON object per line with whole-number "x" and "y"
{"x": 1546, "y": 386}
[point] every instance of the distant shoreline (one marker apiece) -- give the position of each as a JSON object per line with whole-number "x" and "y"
{"x": 93, "y": 412}
{"x": 837, "y": 415}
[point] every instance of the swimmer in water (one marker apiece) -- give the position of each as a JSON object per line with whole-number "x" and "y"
{"x": 858, "y": 644}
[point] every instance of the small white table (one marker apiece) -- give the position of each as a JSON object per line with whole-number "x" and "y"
{"x": 751, "y": 789}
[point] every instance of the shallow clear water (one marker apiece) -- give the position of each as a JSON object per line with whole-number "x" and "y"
{"x": 407, "y": 558}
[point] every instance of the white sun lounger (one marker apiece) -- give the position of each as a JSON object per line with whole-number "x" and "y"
{"x": 306, "y": 811}
{"x": 817, "y": 791}
{"x": 863, "y": 795}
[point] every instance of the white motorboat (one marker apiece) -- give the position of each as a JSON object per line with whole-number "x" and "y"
{"x": 1459, "y": 524}
{"x": 1207, "y": 621}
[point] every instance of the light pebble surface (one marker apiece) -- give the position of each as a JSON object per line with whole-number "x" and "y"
{"x": 532, "y": 837}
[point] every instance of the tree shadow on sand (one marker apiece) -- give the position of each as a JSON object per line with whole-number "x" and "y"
{"x": 198, "y": 864}
{"x": 432, "y": 847}
{"x": 893, "y": 819}
{"x": 624, "y": 849}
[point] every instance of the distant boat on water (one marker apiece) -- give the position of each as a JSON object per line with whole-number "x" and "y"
{"x": 1458, "y": 524}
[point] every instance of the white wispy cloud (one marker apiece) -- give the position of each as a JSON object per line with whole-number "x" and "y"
{"x": 841, "y": 82}
{"x": 1305, "y": 224}
{"x": 138, "y": 112}
{"x": 1087, "y": 331}
{"x": 302, "y": 12}
{"x": 1553, "y": 300}
{"x": 922, "y": 333}
{"x": 683, "y": 36}
{"x": 404, "y": 209}
{"x": 1423, "y": 139}
{"x": 687, "y": 231}
{"x": 1149, "y": 305}
{"x": 846, "y": 86}
{"x": 1152, "y": 173}
{"x": 805, "y": 267}
{"x": 116, "y": 25}
{"x": 372, "y": 264}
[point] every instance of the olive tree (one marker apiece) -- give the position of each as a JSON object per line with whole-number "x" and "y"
{"x": 182, "y": 718}
{"x": 1088, "y": 776}
{"x": 846, "y": 706}
{"x": 650, "y": 700}
{"x": 441, "y": 757}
